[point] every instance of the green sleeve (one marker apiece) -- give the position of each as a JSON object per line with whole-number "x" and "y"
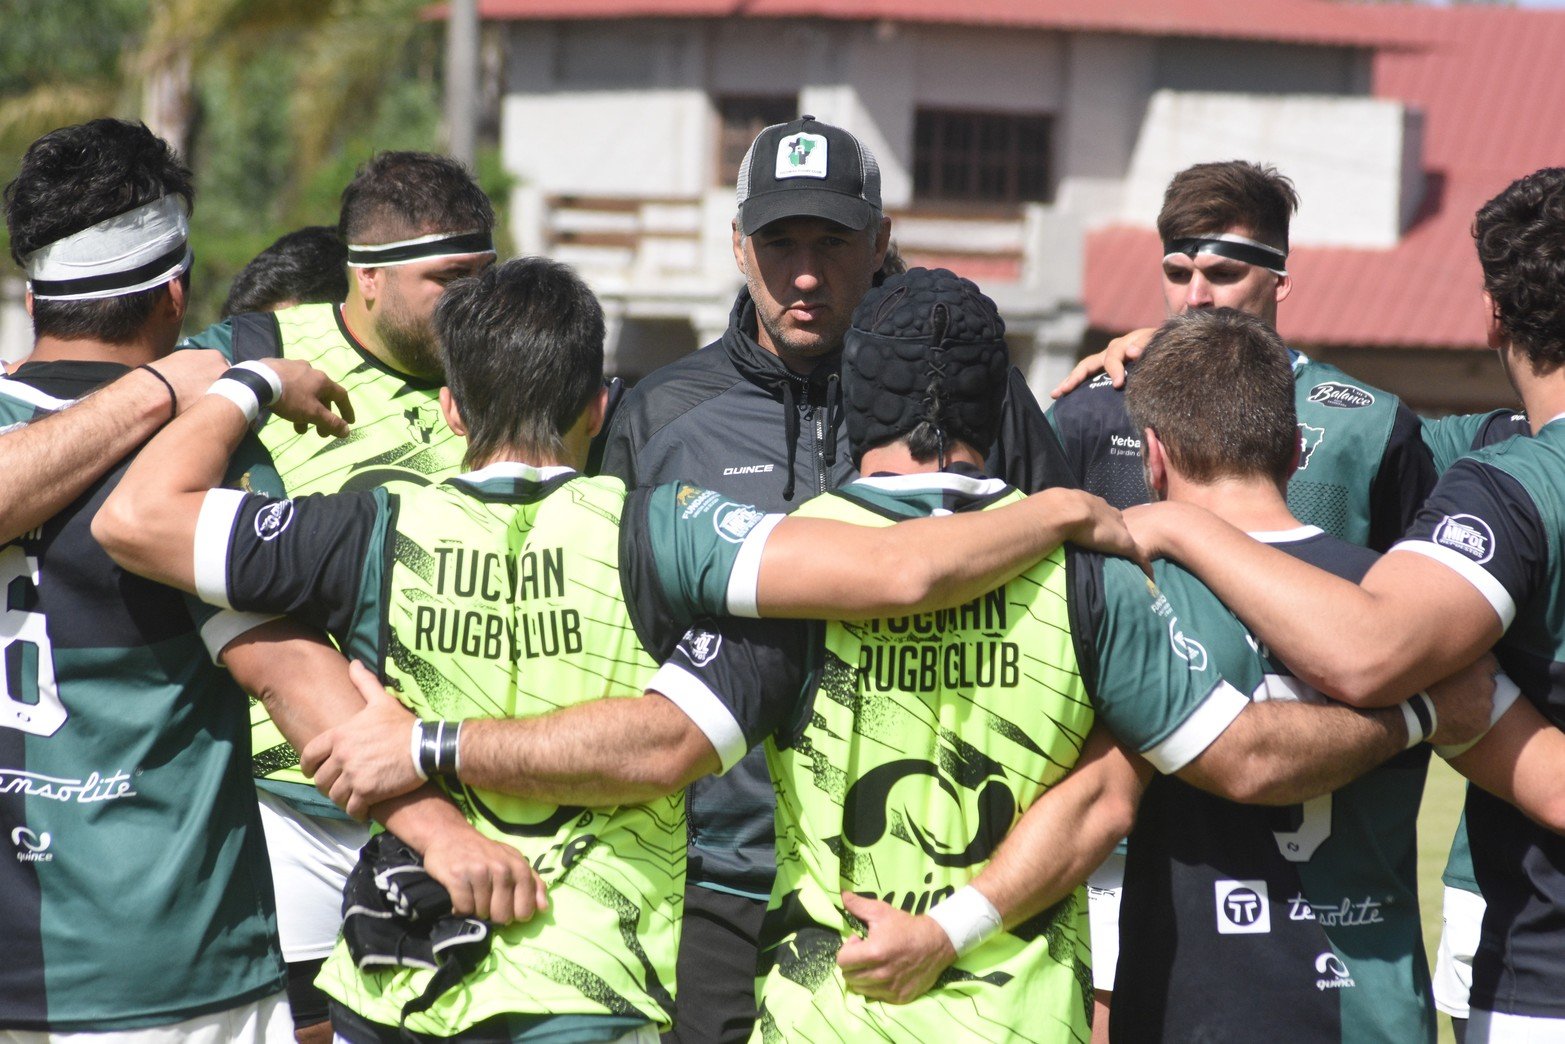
{"x": 219, "y": 335}
{"x": 694, "y": 540}
{"x": 1450, "y": 437}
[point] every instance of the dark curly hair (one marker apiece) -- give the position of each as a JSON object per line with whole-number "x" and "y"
{"x": 1521, "y": 247}
{"x": 305, "y": 266}
{"x": 73, "y": 178}
{"x": 404, "y": 194}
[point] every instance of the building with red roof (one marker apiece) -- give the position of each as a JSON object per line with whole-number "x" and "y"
{"x": 1026, "y": 143}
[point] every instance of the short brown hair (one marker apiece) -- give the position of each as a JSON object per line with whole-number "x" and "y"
{"x": 1210, "y": 198}
{"x": 1521, "y": 248}
{"x": 1216, "y": 385}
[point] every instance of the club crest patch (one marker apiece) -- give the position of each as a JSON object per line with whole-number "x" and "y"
{"x": 801, "y": 156}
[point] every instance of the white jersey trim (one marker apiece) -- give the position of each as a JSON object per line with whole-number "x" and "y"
{"x": 1197, "y": 732}
{"x": 24, "y": 392}
{"x": 1494, "y": 592}
{"x": 975, "y": 487}
{"x": 228, "y": 624}
{"x": 1286, "y": 536}
{"x": 710, "y": 714}
{"x": 744, "y": 580}
{"x": 214, "y": 530}
{"x": 515, "y": 469}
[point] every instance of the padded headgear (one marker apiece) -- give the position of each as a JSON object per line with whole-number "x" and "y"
{"x": 926, "y": 346}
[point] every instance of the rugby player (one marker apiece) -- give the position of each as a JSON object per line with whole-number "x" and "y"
{"x": 1480, "y": 565}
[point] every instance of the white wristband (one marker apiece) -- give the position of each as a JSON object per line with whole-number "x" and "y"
{"x": 969, "y": 919}
{"x": 1418, "y": 714}
{"x": 417, "y": 741}
{"x": 247, "y": 385}
{"x": 1505, "y": 695}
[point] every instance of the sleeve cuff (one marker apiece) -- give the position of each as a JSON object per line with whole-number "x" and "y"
{"x": 225, "y": 626}
{"x": 1493, "y": 591}
{"x": 1197, "y": 732}
{"x": 745, "y": 578}
{"x": 214, "y": 529}
{"x": 710, "y": 714}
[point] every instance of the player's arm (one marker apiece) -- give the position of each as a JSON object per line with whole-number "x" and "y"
{"x": 703, "y": 709}
{"x": 1120, "y": 353}
{"x": 1413, "y": 620}
{"x": 149, "y": 523}
{"x": 47, "y": 464}
{"x": 1051, "y": 850}
{"x": 1519, "y": 761}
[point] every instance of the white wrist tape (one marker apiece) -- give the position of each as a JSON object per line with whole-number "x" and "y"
{"x": 417, "y": 742}
{"x": 252, "y": 386}
{"x": 1505, "y": 694}
{"x": 1418, "y": 713}
{"x": 969, "y": 919}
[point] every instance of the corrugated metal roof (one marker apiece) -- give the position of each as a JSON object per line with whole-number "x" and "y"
{"x": 1489, "y": 83}
{"x": 1297, "y": 21}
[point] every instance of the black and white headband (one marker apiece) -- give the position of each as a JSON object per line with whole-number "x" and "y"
{"x": 128, "y": 253}
{"x": 1232, "y": 246}
{"x": 424, "y": 248}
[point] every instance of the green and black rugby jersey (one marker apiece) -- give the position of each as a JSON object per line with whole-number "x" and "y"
{"x": 134, "y": 888}
{"x": 1363, "y": 468}
{"x": 501, "y": 594}
{"x": 923, "y": 742}
{"x": 1241, "y": 922}
{"x": 398, "y": 435}
{"x": 1497, "y": 519}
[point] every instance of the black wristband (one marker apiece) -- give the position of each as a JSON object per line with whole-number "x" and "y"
{"x": 265, "y": 395}
{"x": 173, "y": 399}
{"x": 438, "y": 748}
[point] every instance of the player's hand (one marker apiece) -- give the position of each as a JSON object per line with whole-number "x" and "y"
{"x": 1463, "y": 703}
{"x": 900, "y": 956}
{"x": 1093, "y": 524}
{"x": 308, "y": 398}
{"x": 488, "y": 880}
{"x": 1121, "y": 352}
{"x": 367, "y": 758}
{"x": 1154, "y": 527}
{"x": 191, "y": 372}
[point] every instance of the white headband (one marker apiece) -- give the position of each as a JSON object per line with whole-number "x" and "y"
{"x": 130, "y": 252}
{"x": 424, "y": 248}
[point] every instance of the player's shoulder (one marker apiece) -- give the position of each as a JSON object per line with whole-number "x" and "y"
{"x": 1096, "y": 400}
{"x": 20, "y": 402}
{"x": 681, "y": 385}
{"x": 1323, "y": 384}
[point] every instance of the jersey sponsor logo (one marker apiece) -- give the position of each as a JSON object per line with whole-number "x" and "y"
{"x": 694, "y": 500}
{"x": 31, "y": 847}
{"x": 1309, "y": 441}
{"x": 271, "y": 520}
{"x": 1102, "y": 380}
{"x": 1242, "y": 908}
{"x": 96, "y": 787}
{"x": 751, "y": 469}
{"x": 1341, "y": 396}
{"x": 801, "y": 156}
{"x": 867, "y": 806}
{"x": 1185, "y": 647}
{"x": 1333, "y": 973}
{"x": 1124, "y": 446}
{"x": 423, "y": 421}
{"x": 1468, "y": 534}
{"x": 733, "y": 522}
{"x": 701, "y": 645}
{"x": 1349, "y": 913}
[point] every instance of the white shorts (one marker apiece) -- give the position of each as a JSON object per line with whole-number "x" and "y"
{"x": 265, "y": 1021}
{"x": 1103, "y": 892}
{"x": 1461, "y": 915}
{"x": 1496, "y": 1027}
{"x": 311, "y": 858}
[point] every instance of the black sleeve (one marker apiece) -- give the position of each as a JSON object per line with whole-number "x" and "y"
{"x": 600, "y": 442}
{"x": 1404, "y": 481}
{"x": 760, "y": 670}
{"x": 256, "y": 336}
{"x": 658, "y": 626}
{"x": 313, "y": 558}
{"x": 1027, "y": 453}
{"x": 1084, "y": 606}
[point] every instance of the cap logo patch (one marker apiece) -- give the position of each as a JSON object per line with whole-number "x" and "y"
{"x": 1468, "y": 534}
{"x": 801, "y": 156}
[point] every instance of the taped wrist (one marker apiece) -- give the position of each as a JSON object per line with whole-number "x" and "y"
{"x": 437, "y": 749}
{"x": 968, "y": 918}
{"x": 1418, "y": 714}
{"x": 252, "y": 386}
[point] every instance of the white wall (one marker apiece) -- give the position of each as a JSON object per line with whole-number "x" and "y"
{"x": 1345, "y": 156}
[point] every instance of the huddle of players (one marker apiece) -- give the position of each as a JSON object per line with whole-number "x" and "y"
{"x": 399, "y": 577}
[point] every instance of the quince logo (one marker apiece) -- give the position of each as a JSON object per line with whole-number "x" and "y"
{"x": 865, "y": 813}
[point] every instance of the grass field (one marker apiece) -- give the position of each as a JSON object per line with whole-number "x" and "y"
{"x": 1436, "y": 820}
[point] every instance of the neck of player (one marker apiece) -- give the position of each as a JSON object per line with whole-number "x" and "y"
{"x": 895, "y": 459}
{"x": 1254, "y": 504}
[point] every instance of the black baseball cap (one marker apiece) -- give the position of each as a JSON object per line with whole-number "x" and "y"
{"x": 808, "y": 169}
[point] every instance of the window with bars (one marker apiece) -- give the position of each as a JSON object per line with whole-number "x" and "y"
{"x": 981, "y": 157}
{"x": 740, "y": 117}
